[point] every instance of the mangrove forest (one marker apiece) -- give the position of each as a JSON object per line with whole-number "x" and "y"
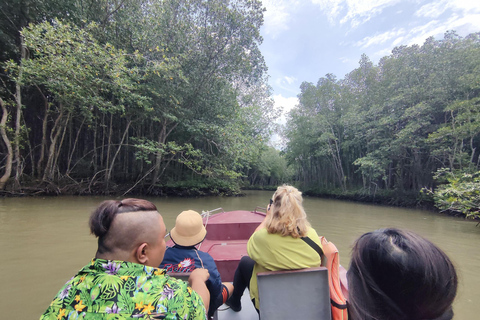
{"x": 162, "y": 97}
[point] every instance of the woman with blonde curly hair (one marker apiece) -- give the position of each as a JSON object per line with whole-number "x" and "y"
{"x": 280, "y": 242}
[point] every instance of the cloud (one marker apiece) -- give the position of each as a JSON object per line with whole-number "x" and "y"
{"x": 285, "y": 104}
{"x": 278, "y": 16}
{"x": 355, "y": 12}
{"x": 380, "y": 38}
{"x": 466, "y": 6}
{"x": 290, "y": 80}
{"x": 380, "y": 54}
{"x": 432, "y": 20}
{"x": 463, "y": 14}
{"x": 287, "y": 83}
{"x": 432, "y": 10}
{"x": 435, "y": 28}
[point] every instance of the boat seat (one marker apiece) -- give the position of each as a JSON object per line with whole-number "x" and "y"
{"x": 294, "y": 294}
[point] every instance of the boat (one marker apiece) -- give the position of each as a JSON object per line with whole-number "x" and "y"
{"x": 226, "y": 241}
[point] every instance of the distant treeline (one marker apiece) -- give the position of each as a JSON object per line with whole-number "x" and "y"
{"x": 134, "y": 97}
{"x": 396, "y": 128}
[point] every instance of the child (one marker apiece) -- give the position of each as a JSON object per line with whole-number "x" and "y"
{"x": 184, "y": 256}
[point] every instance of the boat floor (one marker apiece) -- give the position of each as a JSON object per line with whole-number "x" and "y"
{"x": 248, "y": 312}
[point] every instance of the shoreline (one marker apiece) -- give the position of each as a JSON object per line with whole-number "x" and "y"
{"x": 121, "y": 190}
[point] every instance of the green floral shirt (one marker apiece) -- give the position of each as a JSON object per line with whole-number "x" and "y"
{"x": 109, "y": 289}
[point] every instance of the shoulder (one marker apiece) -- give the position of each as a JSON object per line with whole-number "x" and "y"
{"x": 176, "y": 254}
{"x": 262, "y": 239}
{"x": 261, "y": 234}
{"x": 205, "y": 256}
{"x": 312, "y": 233}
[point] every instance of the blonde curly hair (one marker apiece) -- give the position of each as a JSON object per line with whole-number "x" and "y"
{"x": 287, "y": 216}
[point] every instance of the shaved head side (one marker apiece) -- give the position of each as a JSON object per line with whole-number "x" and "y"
{"x": 130, "y": 229}
{"x": 135, "y": 217}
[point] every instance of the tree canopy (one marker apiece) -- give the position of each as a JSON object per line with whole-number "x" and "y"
{"x": 144, "y": 93}
{"x": 389, "y": 127}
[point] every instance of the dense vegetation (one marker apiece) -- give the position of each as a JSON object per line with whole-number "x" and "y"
{"x": 171, "y": 96}
{"x": 390, "y": 130}
{"x": 133, "y": 96}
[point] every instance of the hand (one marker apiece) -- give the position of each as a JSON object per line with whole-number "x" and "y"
{"x": 199, "y": 274}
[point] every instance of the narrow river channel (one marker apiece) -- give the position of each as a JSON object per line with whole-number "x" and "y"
{"x": 45, "y": 241}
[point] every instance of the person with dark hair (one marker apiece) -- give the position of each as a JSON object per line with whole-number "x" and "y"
{"x": 123, "y": 278}
{"x": 398, "y": 275}
{"x": 189, "y": 232}
{"x": 284, "y": 240}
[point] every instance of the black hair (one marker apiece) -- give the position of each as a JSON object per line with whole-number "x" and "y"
{"x": 398, "y": 275}
{"x": 101, "y": 219}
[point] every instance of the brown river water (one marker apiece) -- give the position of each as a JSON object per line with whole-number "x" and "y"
{"x": 45, "y": 241}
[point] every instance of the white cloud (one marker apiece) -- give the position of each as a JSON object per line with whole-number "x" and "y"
{"x": 463, "y": 14}
{"x": 418, "y": 35}
{"x": 380, "y": 38}
{"x": 345, "y": 60}
{"x": 290, "y": 80}
{"x": 285, "y": 104}
{"x": 356, "y": 12}
{"x": 287, "y": 83}
{"x": 380, "y": 54}
{"x": 432, "y": 10}
{"x": 465, "y": 5}
{"x": 277, "y": 16}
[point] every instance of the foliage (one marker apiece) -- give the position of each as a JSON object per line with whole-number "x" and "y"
{"x": 459, "y": 192}
{"x": 385, "y": 128}
{"x": 138, "y": 92}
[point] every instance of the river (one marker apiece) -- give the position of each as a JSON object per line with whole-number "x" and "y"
{"x": 45, "y": 241}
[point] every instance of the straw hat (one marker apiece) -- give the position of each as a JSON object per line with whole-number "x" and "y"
{"x": 189, "y": 229}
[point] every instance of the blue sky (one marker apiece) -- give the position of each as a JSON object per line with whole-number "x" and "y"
{"x": 303, "y": 40}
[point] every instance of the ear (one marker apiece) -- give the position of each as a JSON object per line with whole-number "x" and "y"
{"x": 141, "y": 253}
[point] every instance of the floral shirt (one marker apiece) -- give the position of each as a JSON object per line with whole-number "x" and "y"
{"x": 109, "y": 289}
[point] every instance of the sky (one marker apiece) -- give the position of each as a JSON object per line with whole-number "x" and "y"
{"x": 303, "y": 40}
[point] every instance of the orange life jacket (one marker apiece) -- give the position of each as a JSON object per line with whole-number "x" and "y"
{"x": 337, "y": 280}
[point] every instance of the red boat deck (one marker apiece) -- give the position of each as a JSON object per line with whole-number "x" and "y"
{"x": 227, "y": 237}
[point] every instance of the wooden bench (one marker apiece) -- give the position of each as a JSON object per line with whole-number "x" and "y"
{"x": 294, "y": 294}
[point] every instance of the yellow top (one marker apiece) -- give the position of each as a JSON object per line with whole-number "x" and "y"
{"x": 272, "y": 252}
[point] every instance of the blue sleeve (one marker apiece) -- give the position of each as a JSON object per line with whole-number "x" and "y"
{"x": 215, "y": 286}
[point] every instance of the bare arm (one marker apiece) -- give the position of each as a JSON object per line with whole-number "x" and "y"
{"x": 262, "y": 224}
{"x": 197, "y": 280}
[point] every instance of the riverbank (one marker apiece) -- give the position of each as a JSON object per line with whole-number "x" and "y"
{"x": 412, "y": 200}
{"x": 87, "y": 188}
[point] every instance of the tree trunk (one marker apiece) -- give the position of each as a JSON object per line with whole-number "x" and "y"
{"x": 59, "y": 149}
{"x": 109, "y": 171}
{"x": 18, "y": 100}
{"x": 74, "y": 146}
{"x": 43, "y": 145}
{"x": 3, "y": 133}
{"x": 54, "y": 134}
{"x": 109, "y": 145}
{"x": 162, "y": 138}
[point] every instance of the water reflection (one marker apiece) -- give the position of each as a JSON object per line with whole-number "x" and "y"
{"x": 45, "y": 241}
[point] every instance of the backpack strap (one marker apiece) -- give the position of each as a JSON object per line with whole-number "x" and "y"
{"x": 314, "y": 245}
